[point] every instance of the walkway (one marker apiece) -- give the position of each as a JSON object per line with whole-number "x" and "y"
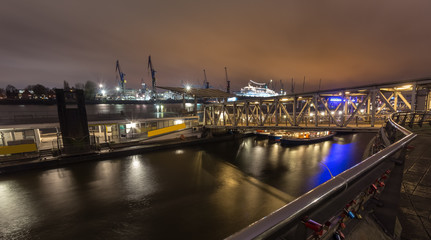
{"x": 415, "y": 204}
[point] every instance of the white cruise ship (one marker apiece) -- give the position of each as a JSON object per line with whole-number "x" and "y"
{"x": 255, "y": 89}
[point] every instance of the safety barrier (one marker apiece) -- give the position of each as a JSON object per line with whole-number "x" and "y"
{"x": 323, "y": 212}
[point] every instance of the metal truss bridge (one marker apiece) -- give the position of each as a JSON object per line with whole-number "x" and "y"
{"x": 359, "y": 108}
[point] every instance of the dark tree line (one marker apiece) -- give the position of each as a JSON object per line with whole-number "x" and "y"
{"x": 40, "y": 91}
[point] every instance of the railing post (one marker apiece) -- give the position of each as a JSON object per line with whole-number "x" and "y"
{"x": 412, "y": 120}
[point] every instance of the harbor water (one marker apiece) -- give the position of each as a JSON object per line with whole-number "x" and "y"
{"x": 202, "y": 192}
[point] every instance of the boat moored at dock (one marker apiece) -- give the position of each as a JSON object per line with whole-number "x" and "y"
{"x": 262, "y": 133}
{"x": 276, "y": 136}
{"x": 300, "y": 138}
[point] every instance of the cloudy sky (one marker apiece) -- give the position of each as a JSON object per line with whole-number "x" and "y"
{"x": 344, "y": 43}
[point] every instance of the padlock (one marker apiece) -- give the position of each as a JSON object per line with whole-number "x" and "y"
{"x": 337, "y": 236}
{"x": 373, "y": 188}
{"x": 315, "y": 226}
{"x": 342, "y": 225}
{"x": 341, "y": 234}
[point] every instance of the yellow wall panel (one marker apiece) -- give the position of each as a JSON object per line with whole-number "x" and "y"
{"x": 22, "y": 148}
{"x": 166, "y": 130}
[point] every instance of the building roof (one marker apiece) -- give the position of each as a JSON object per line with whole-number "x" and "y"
{"x": 199, "y": 92}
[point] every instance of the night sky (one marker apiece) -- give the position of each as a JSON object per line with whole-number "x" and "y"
{"x": 344, "y": 43}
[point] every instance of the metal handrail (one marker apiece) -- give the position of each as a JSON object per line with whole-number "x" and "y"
{"x": 296, "y": 209}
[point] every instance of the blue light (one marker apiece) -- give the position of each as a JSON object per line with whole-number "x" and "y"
{"x": 335, "y": 99}
{"x": 337, "y": 161}
{"x": 232, "y": 99}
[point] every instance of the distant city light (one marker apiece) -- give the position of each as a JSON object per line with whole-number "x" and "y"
{"x": 188, "y": 87}
{"x": 117, "y": 88}
{"x": 100, "y": 85}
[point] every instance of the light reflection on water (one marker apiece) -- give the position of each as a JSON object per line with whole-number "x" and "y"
{"x": 296, "y": 170}
{"x": 162, "y": 195}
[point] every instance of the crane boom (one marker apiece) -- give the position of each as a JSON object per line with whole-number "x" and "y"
{"x": 153, "y": 77}
{"x": 122, "y": 82}
{"x": 227, "y": 81}
{"x": 206, "y": 83}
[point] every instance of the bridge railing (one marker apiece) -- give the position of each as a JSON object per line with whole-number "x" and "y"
{"x": 321, "y": 212}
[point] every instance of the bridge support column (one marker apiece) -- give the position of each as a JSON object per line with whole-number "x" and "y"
{"x": 247, "y": 110}
{"x": 373, "y": 106}
{"x": 213, "y": 115}
{"x": 184, "y": 102}
{"x": 260, "y": 113}
{"x": 276, "y": 111}
{"x": 395, "y": 100}
{"x": 413, "y": 100}
{"x": 223, "y": 110}
{"x": 295, "y": 99}
{"x": 234, "y": 115}
{"x": 343, "y": 103}
{"x": 196, "y": 106}
{"x": 205, "y": 116}
{"x": 316, "y": 110}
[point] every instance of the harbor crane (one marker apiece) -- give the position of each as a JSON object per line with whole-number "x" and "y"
{"x": 206, "y": 83}
{"x": 153, "y": 77}
{"x": 227, "y": 81}
{"x": 122, "y": 81}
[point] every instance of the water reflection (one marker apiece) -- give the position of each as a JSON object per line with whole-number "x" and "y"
{"x": 296, "y": 170}
{"x": 16, "y": 211}
{"x": 163, "y": 195}
{"x": 140, "y": 180}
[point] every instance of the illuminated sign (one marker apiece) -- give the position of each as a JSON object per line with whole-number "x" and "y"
{"x": 339, "y": 99}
